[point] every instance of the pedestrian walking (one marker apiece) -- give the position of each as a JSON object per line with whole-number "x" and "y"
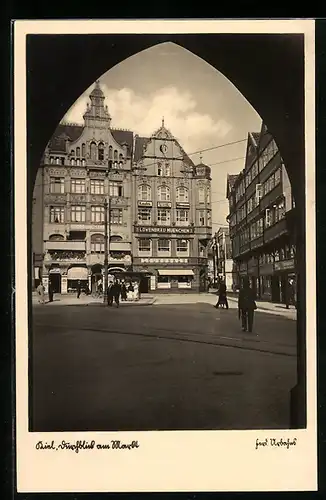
{"x": 289, "y": 294}
{"x": 222, "y": 298}
{"x": 40, "y": 290}
{"x": 110, "y": 294}
{"x": 246, "y": 306}
{"x": 78, "y": 289}
{"x": 123, "y": 291}
{"x": 51, "y": 292}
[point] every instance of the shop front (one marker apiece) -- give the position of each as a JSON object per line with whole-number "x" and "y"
{"x": 285, "y": 282}
{"x": 174, "y": 279}
{"x": 265, "y": 281}
{"x": 77, "y": 274}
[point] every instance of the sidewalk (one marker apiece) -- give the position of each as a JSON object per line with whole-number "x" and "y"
{"x": 84, "y": 300}
{"x": 272, "y": 308}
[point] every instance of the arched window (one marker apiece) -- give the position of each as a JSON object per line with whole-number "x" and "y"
{"x": 182, "y": 194}
{"x": 101, "y": 151}
{"x": 120, "y": 157}
{"x": 51, "y": 159}
{"x": 97, "y": 243}
{"x": 72, "y": 152}
{"x": 78, "y": 162}
{"x": 78, "y": 152}
{"x": 57, "y": 160}
{"x": 201, "y": 194}
{"x": 72, "y": 161}
{"x": 93, "y": 151}
{"x": 163, "y": 193}
{"x": 83, "y": 162}
{"x": 83, "y": 150}
{"x": 115, "y": 238}
{"x": 144, "y": 192}
{"x": 56, "y": 237}
{"x": 110, "y": 152}
{"x": 208, "y": 195}
{"x": 115, "y": 155}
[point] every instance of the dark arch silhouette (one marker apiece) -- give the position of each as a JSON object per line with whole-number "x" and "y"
{"x": 267, "y": 69}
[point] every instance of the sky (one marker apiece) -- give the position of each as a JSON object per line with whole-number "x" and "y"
{"x": 200, "y": 106}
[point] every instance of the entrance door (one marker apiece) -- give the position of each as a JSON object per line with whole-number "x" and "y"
{"x": 275, "y": 289}
{"x": 144, "y": 285}
{"x": 55, "y": 280}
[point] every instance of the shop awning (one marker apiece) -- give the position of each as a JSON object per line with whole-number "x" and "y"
{"x": 77, "y": 273}
{"x": 175, "y": 272}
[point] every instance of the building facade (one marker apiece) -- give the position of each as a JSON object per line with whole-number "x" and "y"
{"x": 159, "y": 220}
{"x": 82, "y": 167}
{"x": 261, "y": 214}
{"x": 172, "y": 206}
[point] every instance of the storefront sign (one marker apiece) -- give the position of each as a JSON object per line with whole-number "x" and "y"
{"x": 164, "y": 204}
{"x": 145, "y": 203}
{"x": 151, "y": 260}
{"x": 182, "y": 204}
{"x": 284, "y": 265}
{"x": 157, "y": 229}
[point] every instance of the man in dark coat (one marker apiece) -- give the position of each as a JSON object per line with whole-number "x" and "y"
{"x": 246, "y": 306}
{"x": 50, "y": 292}
{"x": 78, "y": 289}
{"x": 222, "y": 299}
{"x": 114, "y": 293}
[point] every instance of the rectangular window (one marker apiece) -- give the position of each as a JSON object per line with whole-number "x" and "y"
{"x": 201, "y": 218}
{"x": 144, "y": 245}
{"x": 97, "y": 186}
{"x": 97, "y": 247}
{"x": 78, "y": 186}
{"x": 267, "y": 217}
{"x": 57, "y": 185}
{"x": 57, "y": 214}
{"x": 182, "y": 217}
{"x": 259, "y": 192}
{"x": 97, "y": 214}
{"x": 116, "y": 189}
{"x": 159, "y": 169}
{"x": 78, "y": 213}
{"x": 183, "y": 246}
{"x": 144, "y": 215}
{"x": 164, "y": 245}
{"x": 167, "y": 170}
{"x": 163, "y": 216}
{"x": 209, "y": 218}
{"x": 116, "y": 216}
{"x": 277, "y": 176}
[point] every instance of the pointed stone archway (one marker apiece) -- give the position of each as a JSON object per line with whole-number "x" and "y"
{"x": 274, "y": 87}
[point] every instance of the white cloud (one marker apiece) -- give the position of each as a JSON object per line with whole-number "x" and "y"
{"x": 143, "y": 115}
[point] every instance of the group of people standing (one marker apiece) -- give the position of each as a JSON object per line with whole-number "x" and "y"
{"x": 117, "y": 289}
{"x": 246, "y": 303}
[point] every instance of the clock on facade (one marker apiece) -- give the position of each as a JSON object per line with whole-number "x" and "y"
{"x": 163, "y": 148}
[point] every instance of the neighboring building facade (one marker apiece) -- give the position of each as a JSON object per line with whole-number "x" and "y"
{"x": 224, "y": 257}
{"x": 160, "y": 207}
{"x": 172, "y": 221}
{"x": 83, "y": 166}
{"x": 260, "y": 210}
